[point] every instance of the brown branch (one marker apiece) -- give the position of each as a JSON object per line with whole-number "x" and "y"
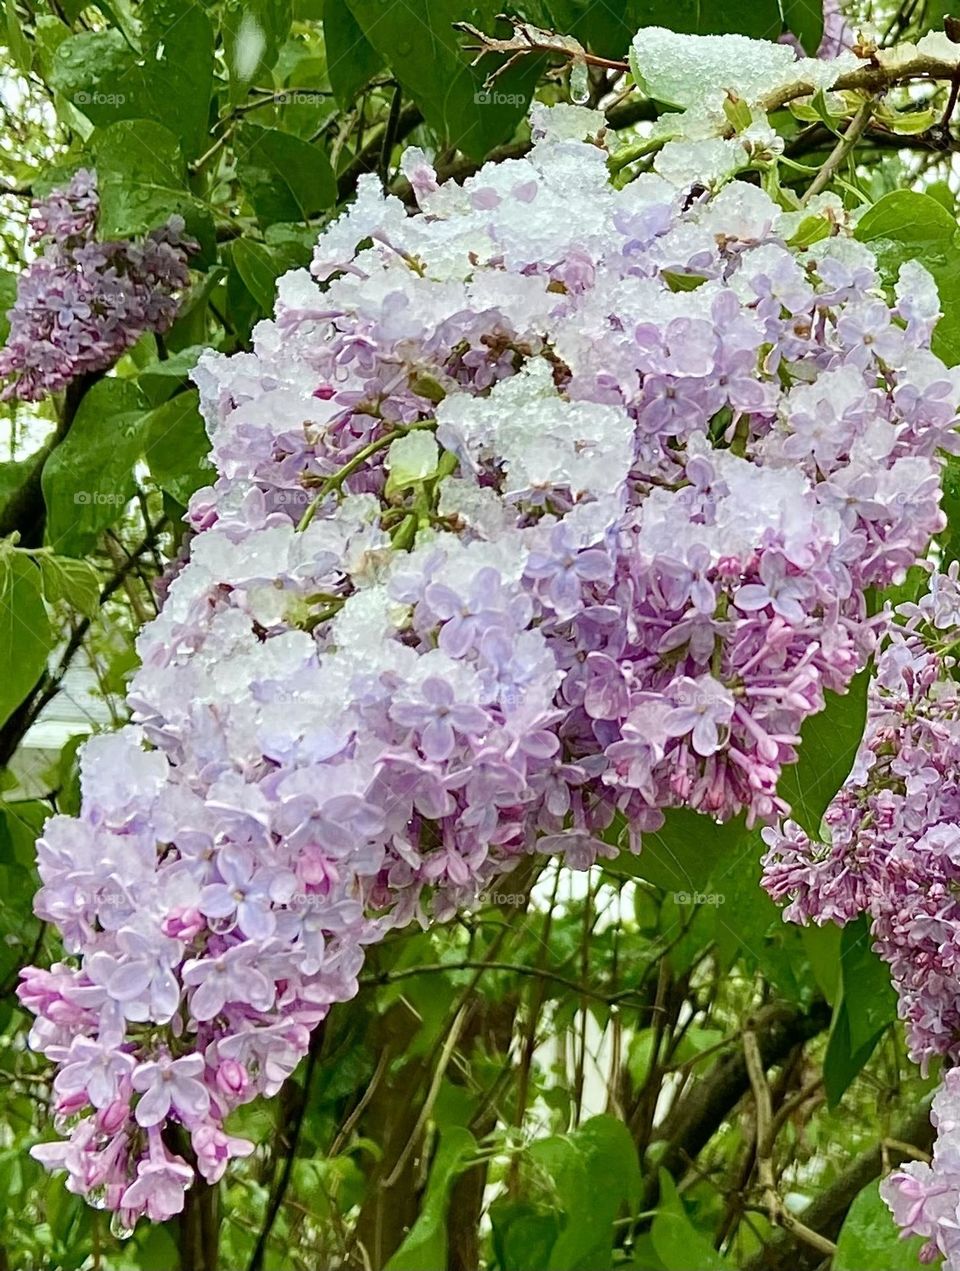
{"x": 488, "y": 1032}
{"x": 840, "y": 151}
{"x": 934, "y": 140}
{"x": 691, "y": 1124}
{"x": 827, "y": 1210}
{"x": 780, "y": 1216}
{"x": 874, "y": 79}
{"x": 25, "y": 512}
{"x": 370, "y": 156}
{"x": 50, "y": 683}
{"x": 381, "y": 978}
{"x": 527, "y": 39}
{"x": 292, "y": 1142}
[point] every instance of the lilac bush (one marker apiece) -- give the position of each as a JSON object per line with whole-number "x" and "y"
{"x": 82, "y": 302}
{"x": 892, "y": 851}
{"x": 556, "y": 501}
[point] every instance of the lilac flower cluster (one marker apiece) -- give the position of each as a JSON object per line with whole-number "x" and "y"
{"x": 892, "y": 840}
{"x": 82, "y": 302}
{"x": 892, "y": 851}
{"x": 552, "y": 502}
{"x": 925, "y": 1198}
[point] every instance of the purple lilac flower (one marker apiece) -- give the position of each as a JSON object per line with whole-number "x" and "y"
{"x": 641, "y": 562}
{"x": 82, "y": 302}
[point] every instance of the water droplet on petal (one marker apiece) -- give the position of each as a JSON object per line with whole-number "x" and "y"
{"x": 119, "y": 1228}
{"x": 579, "y": 84}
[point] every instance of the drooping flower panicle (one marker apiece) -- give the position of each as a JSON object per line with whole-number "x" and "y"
{"x": 551, "y": 502}
{"x": 82, "y": 302}
{"x": 892, "y": 852}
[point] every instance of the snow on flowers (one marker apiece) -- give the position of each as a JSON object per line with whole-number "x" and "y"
{"x": 551, "y": 502}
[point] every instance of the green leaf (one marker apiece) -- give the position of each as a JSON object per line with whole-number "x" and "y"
{"x": 143, "y": 181}
{"x": 598, "y": 1159}
{"x": 418, "y": 41}
{"x": 683, "y": 855}
{"x": 191, "y": 327}
{"x": 17, "y": 42}
{"x": 761, "y": 19}
{"x": 604, "y": 28}
{"x": 12, "y": 477}
{"x": 158, "y": 381}
{"x": 88, "y": 479}
{"x": 606, "y": 1158}
{"x": 68, "y": 775}
{"x": 869, "y": 995}
{"x": 804, "y": 18}
{"x": 26, "y": 636}
{"x": 177, "y": 446}
{"x": 749, "y": 927}
{"x": 870, "y": 1238}
{"x": 694, "y": 1041}
{"x": 523, "y": 1234}
{"x": 287, "y": 179}
{"x": 178, "y": 43}
{"x": 97, "y": 73}
{"x": 352, "y": 61}
{"x": 822, "y": 947}
{"x": 932, "y": 14}
{"x": 828, "y": 747}
{"x": 259, "y": 269}
{"x": 676, "y": 1241}
{"x": 426, "y": 1242}
{"x": 253, "y": 32}
{"x": 865, "y": 1006}
{"x": 21, "y": 821}
{"x": 49, "y": 33}
{"x": 905, "y": 225}
{"x": 940, "y": 190}
{"x": 156, "y": 1248}
{"x": 74, "y": 581}
{"x": 950, "y": 538}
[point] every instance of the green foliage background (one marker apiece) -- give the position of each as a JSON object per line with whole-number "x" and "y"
{"x": 554, "y": 1084}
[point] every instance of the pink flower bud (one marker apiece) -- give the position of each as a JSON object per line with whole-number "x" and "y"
{"x": 232, "y": 1078}
{"x": 68, "y": 1104}
{"x": 183, "y": 924}
{"x": 111, "y": 1118}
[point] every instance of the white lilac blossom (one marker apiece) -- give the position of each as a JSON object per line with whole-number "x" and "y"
{"x": 526, "y": 516}
{"x": 83, "y": 301}
{"x": 892, "y": 852}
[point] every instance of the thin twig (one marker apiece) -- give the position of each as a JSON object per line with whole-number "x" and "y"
{"x": 515, "y": 968}
{"x": 390, "y": 135}
{"x": 779, "y": 1215}
{"x": 279, "y": 1192}
{"x": 436, "y": 1082}
{"x": 840, "y": 151}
